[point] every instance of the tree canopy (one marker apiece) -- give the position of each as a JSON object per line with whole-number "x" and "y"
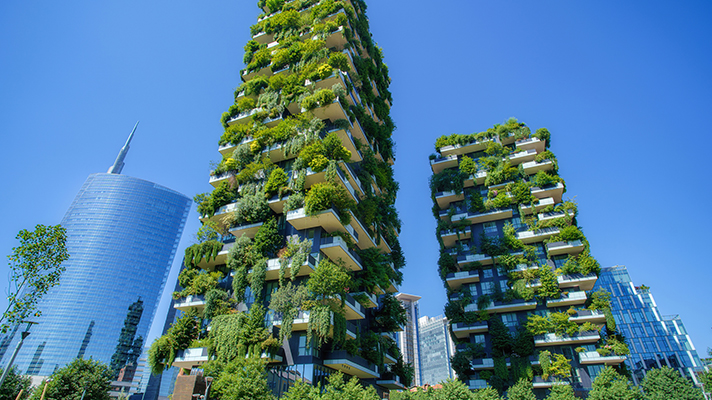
{"x": 69, "y": 383}
{"x": 666, "y": 383}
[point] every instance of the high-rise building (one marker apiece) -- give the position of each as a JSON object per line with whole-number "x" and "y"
{"x": 516, "y": 266}
{"x": 303, "y": 200}
{"x": 122, "y": 234}
{"x": 408, "y": 338}
{"x": 437, "y": 348}
{"x": 654, "y": 340}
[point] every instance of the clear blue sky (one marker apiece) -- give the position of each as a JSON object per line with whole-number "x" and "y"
{"x": 625, "y": 88}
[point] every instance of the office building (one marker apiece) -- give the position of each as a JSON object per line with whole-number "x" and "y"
{"x": 516, "y": 266}
{"x": 654, "y": 340}
{"x": 437, "y": 348}
{"x": 122, "y": 234}
{"x": 408, "y": 339}
{"x": 304, "y": 198}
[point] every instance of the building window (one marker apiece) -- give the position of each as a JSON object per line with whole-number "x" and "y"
{"x": 503, "y": 286}
{"x": 487, "y": 274}
{"x": 479, "y": 339}
{"x": 490, "y": 229}
{"x": 517, "y": 223}
{"x": 303, "y": 349}
{"x": 510, "y": 320}
{"x": 487, "y": 287}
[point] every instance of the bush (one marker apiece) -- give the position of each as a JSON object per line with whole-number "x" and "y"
{"x": 325, "y": 195}
{"x": 277, "y": 180}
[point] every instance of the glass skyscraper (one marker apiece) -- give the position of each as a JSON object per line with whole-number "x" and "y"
{"x": 655, "y": 340}
{"x": 436, "y": 348}
{"x": 122, "y": 235}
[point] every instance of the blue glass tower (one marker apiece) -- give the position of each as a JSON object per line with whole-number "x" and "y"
{"x": 122, "y": 235}
{"x": 654, "y": 340}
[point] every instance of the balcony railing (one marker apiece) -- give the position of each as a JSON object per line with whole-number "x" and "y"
{"x": 352, "y": 365}
{"x": 593, "y": 357}
{"x": 563, "y": 247}
{"x": 552, "y": 339}
{"x": 568, "y": 299}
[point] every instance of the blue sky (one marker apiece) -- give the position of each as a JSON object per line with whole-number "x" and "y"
{"x": 624, "y": 87}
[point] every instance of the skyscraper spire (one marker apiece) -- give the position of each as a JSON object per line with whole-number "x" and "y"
{"x": 119, "y": 163}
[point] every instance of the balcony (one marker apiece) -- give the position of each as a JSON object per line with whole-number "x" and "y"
{"x": 274, "y": 265}
{"x": 592, "y": 357}
{"x": 353, "y": 309}
{"x": 327, "y": 219}
{"x": 543, "y": 203}
{"x": 363, "y": 238}
{"x": 440, "y": 164}
{"x": 487, "y": 216}
{"x": 554, "y": 215}
{"x": 347, "y": 140}
{"x": 336, "y": 249}
{"x": 482, "y": 363}
{"x": 277, "y": 204}
{"x": 541, "y": 383}
{"x": 263, "y": 38}
{"x": 301, "y": 322}
{"x": 449, "y": 237}
{"x": 371, "y": 299}
{"x": 190, "y": 358}
{"x": 220, "y": 214}
{"x": 271, "y": 358}
{"x": 318, "y": 177}
{"x": 333, "y": 111}
{"x": 476, "y": 178}
{"x": 220, "y": 259}
{"x": 391, "y": 382}
{"x": 463, "y": 330}
{"x": 445, "y": 198}
{"x": 336, "y": 40}
{"x": 392, "y": 287}
{"x": 553, "y": 191}
{"x": 569, "y": 299}
{"x": 532, "y": 167}
{"x": 483, "y": 259}
{"x": 388, "y": 358}
{"x": 531, "y": 143}
{"x": 216, "y": 180}
{"x": 474, "y": 384}
{"x": 593, "y": 316}
{"x": 352, "y": 178}
{"x": 193, "y": 301}
{"x": 538, "y": 235}
{"x": 458, "y": 149}
{"x": 571, "y": 248}
{"x": 351, "y": 365}
{"x": 581, "y": 281}
{"x": 525, "y": 156}
{"x": 351, "y": 331}
{"x": 244, "y": 117}
{"x": 500, "y": 307}
{"x": 455, "y": 280}
{"x": 552, "y": 339}
{"x": 246, "y": 229}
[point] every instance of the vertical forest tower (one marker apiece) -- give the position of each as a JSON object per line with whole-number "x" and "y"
{"x": 516, "y": 267}
{"x": 299, "y": 249}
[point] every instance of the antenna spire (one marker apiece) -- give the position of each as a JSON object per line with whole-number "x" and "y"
{"x": 119, "y": 163}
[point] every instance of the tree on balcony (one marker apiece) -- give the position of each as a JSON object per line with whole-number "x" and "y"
{"x": 391, "y": 315}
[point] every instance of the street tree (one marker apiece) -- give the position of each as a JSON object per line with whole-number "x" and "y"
{"x": 14, "y": 383}
{"x": 35, "y": 267}
{"x": 611, "y": 385}
{"x": 666, "y": 383}
{"x": 71, "y": 382}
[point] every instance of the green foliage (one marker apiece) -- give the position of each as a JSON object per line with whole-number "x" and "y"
{"x": 277, "y": 180}
{"x": 483, "y": 394}
{"x": 14, "y": 384}
{"x": 242, "y": 378}
{"x": 611, "y": 385}
{"x": 448, "y": 180}
{"x": 208, "y": 204}
{"x": 35, "y": 267}
{"x": 549, "y": 284}
{"x": 197, "y": 282}
{"x": 461, "y": 365}
{"x": 390, "y": 315}
{"x": 206, "y": 250}
{"x": 543, "y": 134}
{"x": 287, "y": 300}
{"x": 295, "y": 253}
{"x": 329, "y": 279}
{"x": 250, "y": 209}
{"x": 539, "y": 325}
{"x": 555, "y": 365}
{"x": 217, "y": 302}
{"x": 70, "y": 381}
{"x": 240, "y": 334}
{"x": 561, "y": 392}
{"x": 325, "y": 195}
{"x": 501, "y": 339}
{"x": 267, "y": 239}
{"x": 522, "y": 390}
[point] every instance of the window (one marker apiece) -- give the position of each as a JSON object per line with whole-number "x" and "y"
{"x": 303, "y": 349}
{"x": 503, "y": 286}
{"x": 510, "y": 320}
{"x": 473, "y": 290}
{"x": 517, "y": 223}
{"x": 487, "y": 287}
{"x": 487, "y": 274}
{"x": 480, "y": 339}
{"x": 490, "y": 229}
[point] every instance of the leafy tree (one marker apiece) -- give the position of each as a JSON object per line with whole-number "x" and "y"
{"x": 70, "y": 382}
{"x": 666, "y": 383}
{"x": 35, "y": 267}
{"x": 242, "y": 378}
{"x": 391, "y": 314}
{"x": 337, "y": 389}
{"x": 561, "y": 392}
{"x": 454, "y": 390}
{"x": 522, "y": 390}
{"x": 485, "y": 394}
{"x": 13, "y": 384}
{"x": 329, "y": 279}
{"x": 611, "y": 385}
{"x": 706, "y": 379}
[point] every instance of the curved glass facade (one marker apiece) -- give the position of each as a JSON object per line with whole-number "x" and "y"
{"x": 122, "y": 236}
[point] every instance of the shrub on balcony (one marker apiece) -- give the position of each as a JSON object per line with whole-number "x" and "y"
{"x": 217, "y": 302}
{"x": 209, "y": 203}
{"x": 543, "y": 179}
{"x": 196, "y": 253}
{"x": 391, "y": 315}
{"x": 197, "y": 282}
{"x": 497, "y": 200}
{"x": 295, "y": 253}
{"x": 287, "y": 301}
{"x": 325, "y": 195}
{"x": 543, "y": 134}
{"x": 549, "y": 283}
{"x": 555, "y": 365}
{"x": 294, "y": 202}
{"x": 250, "y": 209}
